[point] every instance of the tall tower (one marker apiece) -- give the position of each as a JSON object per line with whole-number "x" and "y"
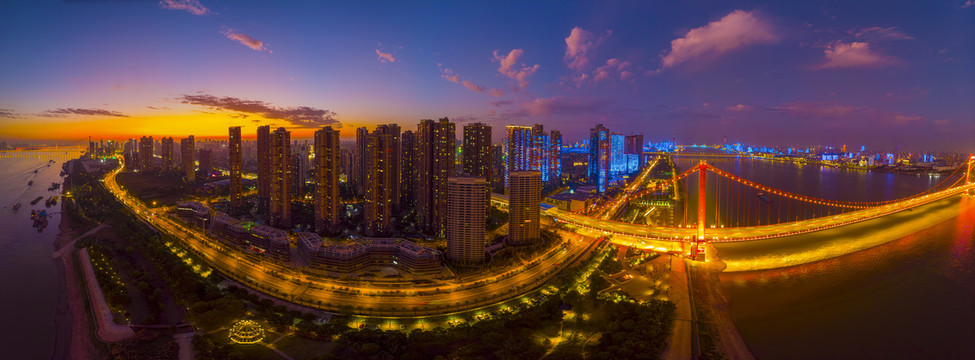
{"x": 555, "y": 156}
{"x": 281, "y": 178}
{"x": 326, "y": 179}
{"x": 466, "y": 224}
{"x": 408, "y": 176}
{"x": 524, "y": 205}
{"x": 359, "y": 175}
{"x": 617, "y": 156}
{"x": 186, "y": 152}
{"x": 166, "y": 153}
{"x": 435, "y": 163}
{"x": 477, "y": 150}
{"x": 205, "y": 156}
{"x": 517, "y": 150}
{"x": 145, "y": 153}
{"x": 633, "y": 148}
{"x": 599, "y": 156}
{"x": 395, "y": 161}
{"x": 379, "y": 182}
{"x": 263, "y": 170}
{"x": 233, "y": 150}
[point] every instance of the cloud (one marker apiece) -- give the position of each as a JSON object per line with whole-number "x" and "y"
{"x": 968, "y": 3}
{"x": 578, "y": 46}
{"x": 158, "y": 107}
{"x": 501, "y": 103}
{"x": 9, "y": 113}
{"x": 450, "y": 76}
{"x": 878, "y": 33}
{"x": 385, "y": 57}
{"x": 852, "y": 55}
{"x": 301, "y": 116}
{"x": 614, "y": 69}
{"x": 191, "y": 6}
{"x": 73, "y": 111}
{"x": 244, "y": 39}
{"x": 735, "y": 30}
{"x": 559, "y": 105}
{"x": 510, "y": 68}
{"x": 737, "y": 108}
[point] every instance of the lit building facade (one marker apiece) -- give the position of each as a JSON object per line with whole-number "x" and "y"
{"x": 435, "y": 163}
{"x": 477, "y": 150}
{"x": 409, "y": 172}
{"x": 145, "y": 153}
{"x": 326, "y": 180}
{"x": 524, "y": 206}
{"x": 166, "y": 153}
{"x": 187, "y": 165}
{"x": 263, "y": 170}
{"x": 234, "y": 162}
{"x": 378, "y": 182}
{"x": 599, "y": 157}
{"x": 281, "y": 173}
{"x": 466, "y": 230}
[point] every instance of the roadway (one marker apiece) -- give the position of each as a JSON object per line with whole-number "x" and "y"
{"x": 287, "y": 282}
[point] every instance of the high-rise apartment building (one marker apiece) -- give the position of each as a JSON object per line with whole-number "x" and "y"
{"x": 281, "y": 161}
{"x": 517, "y": 144}
{"x": 186, "y": 152}
{"x": 234, "y": 162}
{"x": 617, "y": 159}
{"x": 555, "y": 156}
{"x": 435, "y": 163}
{"x": 379, "y": 182}
{"x": 298, "y": 170}
{"x": 408, "y": 176}
{"x": 599, "y": 156}
{"x": 395, "y": 161}
{"x": 477, "y": 150}
{"x": 263, "y": 170}
{"x": 145, "y": 153}
{"x": 359, "y": 176}
{"x": 524, "y": 205}
{"x": 326, "y": 179}
{"x": 166, "y": 153}
{"x": 205, "y": 157}
{"x": 633, "y": 148}
{"x": 466, "y": 230}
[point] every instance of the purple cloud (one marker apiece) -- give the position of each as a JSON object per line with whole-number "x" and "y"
{"x": 853, "y": 55}
{"x": 244, "y": 39}
{"x": 191, "y": 6}
{"x": 301, "y": 116}
{"x": 74, "y": 111}
{"x": 736, "y": 30}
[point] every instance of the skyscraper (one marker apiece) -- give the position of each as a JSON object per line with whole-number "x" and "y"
{"x": 233, "y": 150}
{"x": 555, "y": 156}
{"x": 359, "y": 176}
{"x": 166, "y": 153}
{"x": 517, "y": 149}
{"x": 466, "y": 230}
{"x": 298, "y": 169}
{"x": 477, "y": 150}
{"x": 409, "y": 173}
{"x": 186, "y": 152}
{"x": 599, "y": 157}
{"x": 145, "y": 153}
{"x": 435, "y": 163}
{"x": 379, "y": 182}
{"x": 524, "y": 205}
{"x": 395, "y": 161}
{"x": 633, "y": 148}
{"x": 263, "y": 170}
{"x": 617, "y": 158}
{"x": 326, "y": 180}
{"x": 205, "y": 156}
{"x": 280, "y": 208}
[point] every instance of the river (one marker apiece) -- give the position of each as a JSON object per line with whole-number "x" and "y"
{"x": 28, "y": 275}
{"x": 908, "y": 298}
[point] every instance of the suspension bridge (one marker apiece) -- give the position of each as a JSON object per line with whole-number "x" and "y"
{"x": 729, "y": 208}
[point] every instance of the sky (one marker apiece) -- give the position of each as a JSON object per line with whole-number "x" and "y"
{"x": 881, "y": 74}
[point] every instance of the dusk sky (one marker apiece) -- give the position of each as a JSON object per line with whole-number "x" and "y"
{"x": 880, "y": 74}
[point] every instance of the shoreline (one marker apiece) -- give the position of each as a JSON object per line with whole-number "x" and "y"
{"x": 711, "y": 299}
{"x": 72, "y": 337}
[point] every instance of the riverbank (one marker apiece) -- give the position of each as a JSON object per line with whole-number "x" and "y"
{"x": 73, "y": 337}
{"x": 716, "y": 307}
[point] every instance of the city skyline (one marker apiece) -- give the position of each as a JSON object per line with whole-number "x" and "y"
{"x": 792, "y": 73}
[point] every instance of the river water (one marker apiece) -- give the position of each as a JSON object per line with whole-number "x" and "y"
{"x": 28, "y": 275}
{"x": 907, "y": 292}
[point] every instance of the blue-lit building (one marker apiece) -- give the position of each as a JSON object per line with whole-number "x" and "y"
{"x": 529, "y": 148}
{"x": 516, "y": 150}
{"x": 599, "y": 157}
{"x": 617, "y": 159}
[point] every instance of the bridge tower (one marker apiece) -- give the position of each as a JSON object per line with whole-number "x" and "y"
{"x": 702, "y": 192}
{"x": 968, "y": 175}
